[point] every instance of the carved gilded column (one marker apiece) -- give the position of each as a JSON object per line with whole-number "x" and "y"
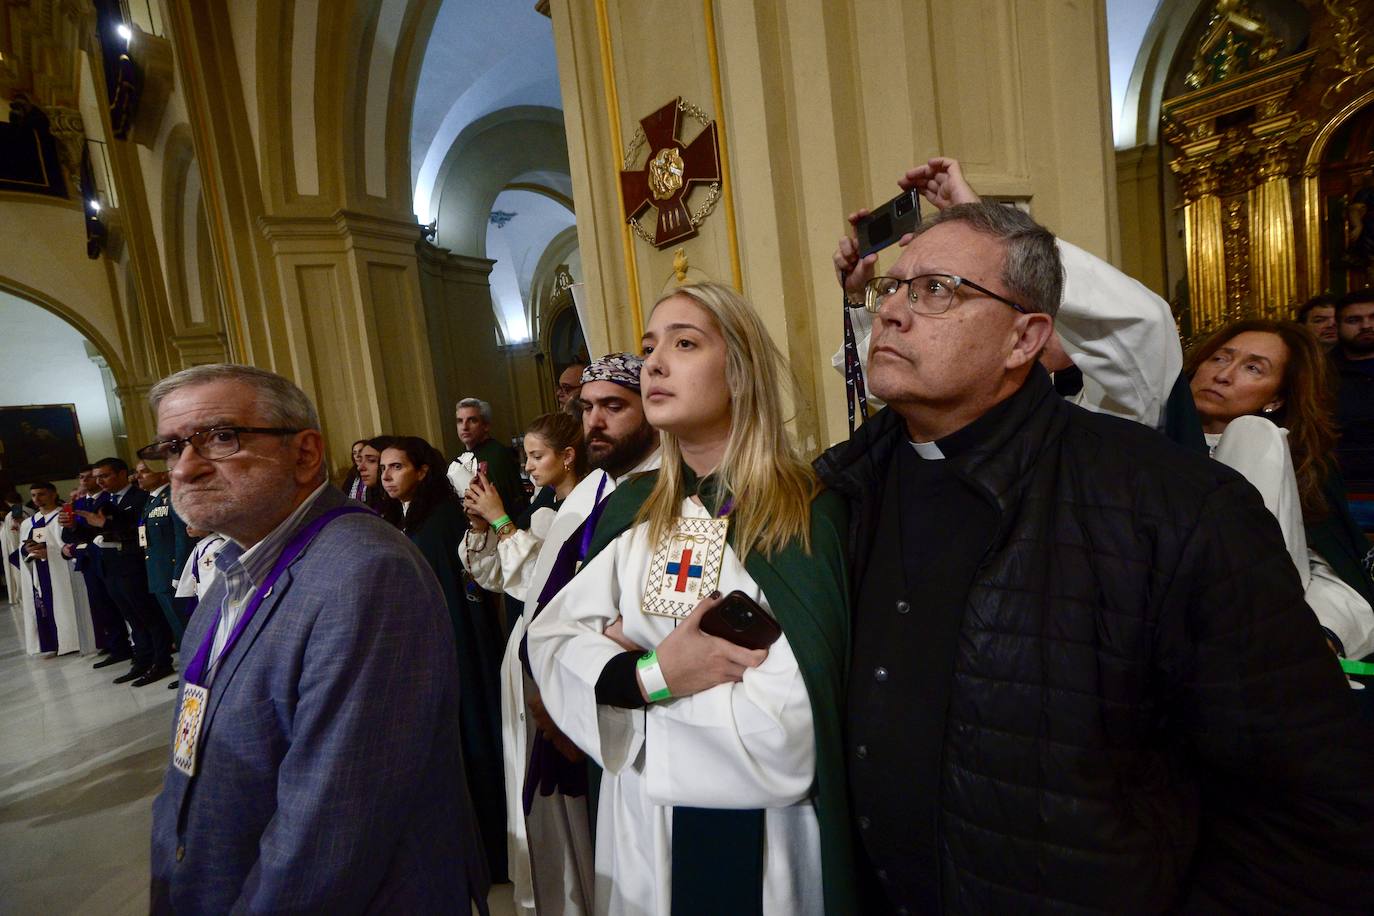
{"x": 1204, "y": 235}
{"x": 1273, "y": 255}
{"x": 1233, "y": 134}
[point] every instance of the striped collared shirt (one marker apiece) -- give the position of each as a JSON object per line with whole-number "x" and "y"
{"x": 245, "y": 570}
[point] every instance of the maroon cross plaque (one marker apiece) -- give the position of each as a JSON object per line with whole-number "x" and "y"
{"x": 667, "y": 178}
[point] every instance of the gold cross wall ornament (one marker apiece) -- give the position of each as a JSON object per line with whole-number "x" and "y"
{"x": 672, "y": 170}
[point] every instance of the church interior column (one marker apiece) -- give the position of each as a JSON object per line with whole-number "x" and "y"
{"x": 815, "y": 120}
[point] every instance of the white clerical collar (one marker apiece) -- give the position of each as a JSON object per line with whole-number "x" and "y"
{"x": 928, "y": 450}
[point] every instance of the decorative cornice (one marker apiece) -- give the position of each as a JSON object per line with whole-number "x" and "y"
{"x": 341, "y": 226}
{"x": 1272, "y": 81}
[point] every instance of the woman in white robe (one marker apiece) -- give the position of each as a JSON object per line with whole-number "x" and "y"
{"x": 62, "y": 592}
{"x": 1263, "y": 397}
{"x": 509, "y": 560}
{"x": 699, "y": 722}
{"x": 10, "y": 521}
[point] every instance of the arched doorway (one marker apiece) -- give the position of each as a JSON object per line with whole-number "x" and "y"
{"x": 59, "y": 408}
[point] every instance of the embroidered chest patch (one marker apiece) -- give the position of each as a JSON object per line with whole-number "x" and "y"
{"x": 685, "y": 567}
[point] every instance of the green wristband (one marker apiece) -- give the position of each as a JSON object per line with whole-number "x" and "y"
{"x": 1350, "y": 666}
{"x": 500, "y": 523}
{"x": 651, "y": 675}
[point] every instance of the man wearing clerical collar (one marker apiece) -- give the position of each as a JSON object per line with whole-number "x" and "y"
{"x": 316, "y": 761}
{"x": 1094, "y": 695}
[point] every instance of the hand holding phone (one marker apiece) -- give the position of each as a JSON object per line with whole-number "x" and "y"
{"x": 886, "y": 224}
{"x": 739, "y": 619}
{"x": 693, "y": 660}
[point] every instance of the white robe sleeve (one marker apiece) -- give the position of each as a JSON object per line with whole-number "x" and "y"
{"x": 480, "y": 559}
{"x": 1340, "y": 608}
{"x": 1120, "y": 335}
{"x": 1259, "y": 451}
{"x": 519, "y": 553}
{"x": 567, "y": 652}
{"x": 745, "y": 745}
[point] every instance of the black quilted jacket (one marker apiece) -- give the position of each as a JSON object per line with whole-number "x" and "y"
{"x": 1144, "y": 715}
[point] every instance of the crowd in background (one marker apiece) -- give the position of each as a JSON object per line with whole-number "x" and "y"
{"x": 1020, "y": 651}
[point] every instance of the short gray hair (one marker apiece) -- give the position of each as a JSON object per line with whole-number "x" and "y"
{"x": 480, "y": 404}
{"x": 281, "y": 402}
{"x": 1031, "y": 269}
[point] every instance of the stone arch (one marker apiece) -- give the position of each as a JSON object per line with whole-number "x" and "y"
{"x": 543, "y": 291}
{"x": 485, "y": 157}
{"x": 74, "y": 318}
{"x": 179, "y": 178}
{"x": 334, "y": 98}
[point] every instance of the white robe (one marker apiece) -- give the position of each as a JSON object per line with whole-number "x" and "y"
{"x": 9, "y": 543}
{"x": 70, "y": 606}
{"x": 745, "y": 745}
{"x": 522, "y": 572}
{"x": 199, "y": 571}
{"x": 1118, "y": 333}
{"x": 509, "y": 564}
{"x": 1259, "y": 451}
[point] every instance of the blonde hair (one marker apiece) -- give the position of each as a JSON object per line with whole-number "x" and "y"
{"x": 771, "y": 485}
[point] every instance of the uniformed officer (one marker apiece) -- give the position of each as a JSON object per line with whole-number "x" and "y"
{"x": 166, "y": 545}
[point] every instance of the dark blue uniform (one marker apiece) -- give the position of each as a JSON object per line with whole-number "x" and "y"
{"x": 126, "y": 579}
{"x": 167, "y": 546}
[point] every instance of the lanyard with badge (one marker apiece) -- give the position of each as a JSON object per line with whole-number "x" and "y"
{"x": 195, "y": 696}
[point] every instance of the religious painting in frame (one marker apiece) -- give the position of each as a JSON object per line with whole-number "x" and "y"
{"x": 40, "y": 442}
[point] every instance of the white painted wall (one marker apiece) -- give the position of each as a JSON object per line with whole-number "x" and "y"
{"x": 34, "y": 337}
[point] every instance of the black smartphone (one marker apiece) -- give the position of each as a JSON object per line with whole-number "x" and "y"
{"x": 888, "y": 223}
{"x": 739, "y": 619}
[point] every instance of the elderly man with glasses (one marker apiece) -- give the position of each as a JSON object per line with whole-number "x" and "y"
{"x": 1082, "y": 675}
{"x": 315, "y": 759}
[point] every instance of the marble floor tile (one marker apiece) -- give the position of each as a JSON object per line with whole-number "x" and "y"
{"x": 80, "y": 762}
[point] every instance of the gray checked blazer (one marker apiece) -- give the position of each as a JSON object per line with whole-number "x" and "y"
{"x": 329, "y": 777}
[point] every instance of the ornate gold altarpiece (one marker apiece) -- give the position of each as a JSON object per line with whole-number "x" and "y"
{"x": 1250, "y": 136}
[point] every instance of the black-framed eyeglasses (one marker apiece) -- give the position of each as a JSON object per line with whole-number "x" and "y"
{"x": 927, "y": 294}
{"x": 212, "y": 444}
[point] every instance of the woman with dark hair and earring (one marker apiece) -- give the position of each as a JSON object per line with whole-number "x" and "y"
{"x": 423, "y": 505}
{"x": 370, "y": 473}
{"x": 353, "y": 485}
{"x": 1263, "y": 391}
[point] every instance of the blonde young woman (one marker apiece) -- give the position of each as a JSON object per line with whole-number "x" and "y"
{"x": 722, "y": 787}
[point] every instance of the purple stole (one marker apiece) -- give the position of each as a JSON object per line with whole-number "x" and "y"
{"x": 549, "y": 771}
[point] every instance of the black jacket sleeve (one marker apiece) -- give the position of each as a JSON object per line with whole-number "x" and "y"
{"x": 1287, "y": 768}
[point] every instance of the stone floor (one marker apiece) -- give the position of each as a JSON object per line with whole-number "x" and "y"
{"x": 80, "y": 762}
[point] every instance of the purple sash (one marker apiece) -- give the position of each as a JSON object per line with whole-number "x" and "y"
{"x": 195, "y": 671}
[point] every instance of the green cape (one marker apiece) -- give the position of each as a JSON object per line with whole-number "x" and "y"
{"x": 809, "y": 595}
